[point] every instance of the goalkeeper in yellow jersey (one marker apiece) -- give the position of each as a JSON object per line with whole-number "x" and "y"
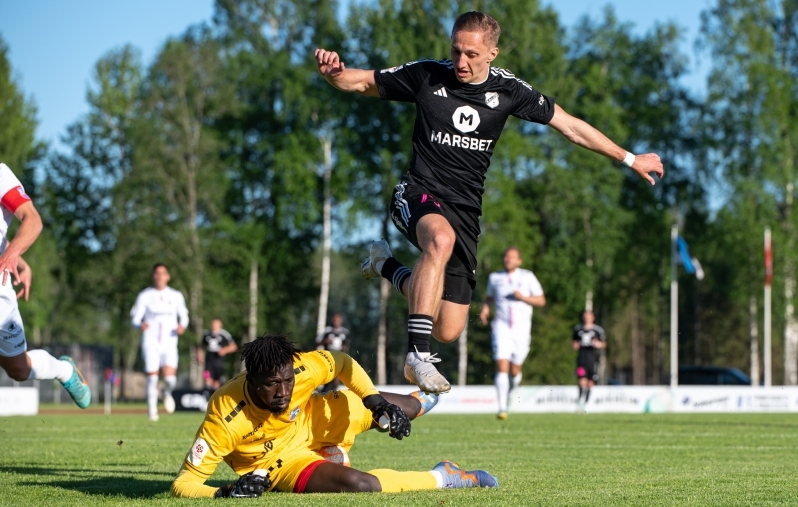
{"x": 271, "y": 428}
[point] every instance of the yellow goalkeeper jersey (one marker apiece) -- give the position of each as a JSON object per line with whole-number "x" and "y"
{"x": 247, "y": 437}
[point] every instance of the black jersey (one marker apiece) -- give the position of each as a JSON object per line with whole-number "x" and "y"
{"x": 457, "y": 125}
{"x": 585, "y": 337}
{"x": 213, "y": 343}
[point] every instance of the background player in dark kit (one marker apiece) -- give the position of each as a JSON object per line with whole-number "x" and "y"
{"x": 217, "y": 343}
{"x": 462, "y": 105}
{"x": 588, "y": 338}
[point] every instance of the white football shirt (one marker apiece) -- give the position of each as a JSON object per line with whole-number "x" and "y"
{"x": 162, "y": 310}
{"x": 501, "y": 287}
{"x": 13, "y": 196}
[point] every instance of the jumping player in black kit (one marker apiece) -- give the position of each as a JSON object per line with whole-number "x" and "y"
{"x": 588, "y": 339}
{"x": 462, "y": 105}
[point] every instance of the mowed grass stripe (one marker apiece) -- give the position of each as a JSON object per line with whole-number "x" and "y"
{"x": 557, "y": 459}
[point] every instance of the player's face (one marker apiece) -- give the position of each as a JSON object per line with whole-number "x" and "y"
{"x": 588, "y": 318}
{"x": 512, "y": 260}
{"x": 216, "y": 326}
{"x": 160, "y": 277}
{"x": 337, "y": 321}
{"x": 471, "y": 56}
{"x": 275, "y": 391}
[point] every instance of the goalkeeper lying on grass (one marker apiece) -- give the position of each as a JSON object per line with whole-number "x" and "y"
{"x": 274, "y": 431}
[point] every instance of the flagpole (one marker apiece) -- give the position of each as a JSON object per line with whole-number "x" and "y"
{"x": 766, "y": 331}
{"x": 674, "y": 310}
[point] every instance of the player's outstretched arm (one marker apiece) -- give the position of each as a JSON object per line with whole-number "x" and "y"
{"x": 353, "y": 376}
{"x": 347, "y": 80}
{"x": 583, "y": 134}
{"x": 29, "y": 229}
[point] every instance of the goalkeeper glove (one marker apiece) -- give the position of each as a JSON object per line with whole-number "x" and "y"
{"x": 251, "y": 485}
{"x": 398, "y": 423}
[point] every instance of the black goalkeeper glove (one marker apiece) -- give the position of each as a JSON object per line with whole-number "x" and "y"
{"x": 398, "y": 423}
{"x": 248, "y": 486}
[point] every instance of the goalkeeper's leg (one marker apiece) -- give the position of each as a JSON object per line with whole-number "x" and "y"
{"x": 333, "y": 478}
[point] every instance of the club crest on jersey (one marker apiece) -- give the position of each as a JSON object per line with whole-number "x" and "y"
{"x": 492, "y": 99}
{"x": 293, "y": 414}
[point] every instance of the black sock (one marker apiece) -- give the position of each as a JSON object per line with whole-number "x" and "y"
{"x": 580, "y": 393}
{"x": 419, "y": 330}
{"x": 395, "y": 272}
{"x": 587, "y": 395}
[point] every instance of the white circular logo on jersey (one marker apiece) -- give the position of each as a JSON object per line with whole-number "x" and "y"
{"x": 466, "y": 119}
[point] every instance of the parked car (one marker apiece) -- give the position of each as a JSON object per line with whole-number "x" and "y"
{"x": 712, "y": 376}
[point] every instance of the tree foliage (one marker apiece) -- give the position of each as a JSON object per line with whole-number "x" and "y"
{"x": 209, "y": 159}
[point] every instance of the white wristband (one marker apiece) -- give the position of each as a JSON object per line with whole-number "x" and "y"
{"x": 629, "y": 159}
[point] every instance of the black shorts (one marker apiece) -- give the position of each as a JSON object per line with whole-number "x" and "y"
{"x": 586, "y": 367}
{"x": 410, "y": 202}
{"x": 214, "y": 365}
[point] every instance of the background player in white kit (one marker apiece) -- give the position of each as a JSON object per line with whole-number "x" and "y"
{"x": 161, "y": 314}
{"x": 19, "y": 364}
{"x": 514, "y": 291}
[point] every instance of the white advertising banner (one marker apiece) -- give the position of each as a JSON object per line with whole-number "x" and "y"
{"x": 19, "y": 401}
{"x": 616, "y": 399}
{"x": 736, "y": 399}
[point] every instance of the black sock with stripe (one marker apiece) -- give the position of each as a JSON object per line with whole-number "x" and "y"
{"x": 395, "y": 272}
{"x": 419, "y": 331}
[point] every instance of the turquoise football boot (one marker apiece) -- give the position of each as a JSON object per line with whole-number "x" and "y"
{"x": 76, "y": 385}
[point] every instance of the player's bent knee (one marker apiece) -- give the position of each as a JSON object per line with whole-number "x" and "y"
{"x": 20, "y": 374}
{"x": 446, "y": 333}
{"x": 366, "y": 483}
{"x": 442, "y": 244}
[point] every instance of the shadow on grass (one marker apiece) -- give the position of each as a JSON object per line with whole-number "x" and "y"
{"x": 50, "y": 470}
{"x": 110, "y": 486}
{"x": 109, "y": 483}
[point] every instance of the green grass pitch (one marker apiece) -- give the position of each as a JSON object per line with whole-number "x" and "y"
{"x": 565, "y": 459}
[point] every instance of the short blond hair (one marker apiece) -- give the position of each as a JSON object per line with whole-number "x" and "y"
{"x": 474, "y": 21}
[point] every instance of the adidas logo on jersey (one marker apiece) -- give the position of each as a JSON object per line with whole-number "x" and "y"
{"x": 441, "y": 92}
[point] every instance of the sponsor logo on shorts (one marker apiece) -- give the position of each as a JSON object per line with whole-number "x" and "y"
{"x": 10, "y": 330}
{"x": 198, "y": 452}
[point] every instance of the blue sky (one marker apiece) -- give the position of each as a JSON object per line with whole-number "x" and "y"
{"x": 55, "y": 44}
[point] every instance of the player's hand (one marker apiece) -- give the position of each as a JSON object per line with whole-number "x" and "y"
{"x": 248, "y": 486}
{"x": 398, "y": 423}
{"x": 646, "y": 164}
{"x": 9, "y": 267}
{"x": 597, "y": 344}
{"x": 180, "y": 329}
{"x": 329, "y": 64}
{"x": 483, "y": 315}
{"x": 222, "y": 352}
{"x": 144, "y": 326}
{"x": 518, "y": 296}
{"x": 25, "y": 278}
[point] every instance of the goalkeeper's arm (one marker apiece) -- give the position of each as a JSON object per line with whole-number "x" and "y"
{"x": 190, "y": 485}
{"x": 357, "y": 380}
